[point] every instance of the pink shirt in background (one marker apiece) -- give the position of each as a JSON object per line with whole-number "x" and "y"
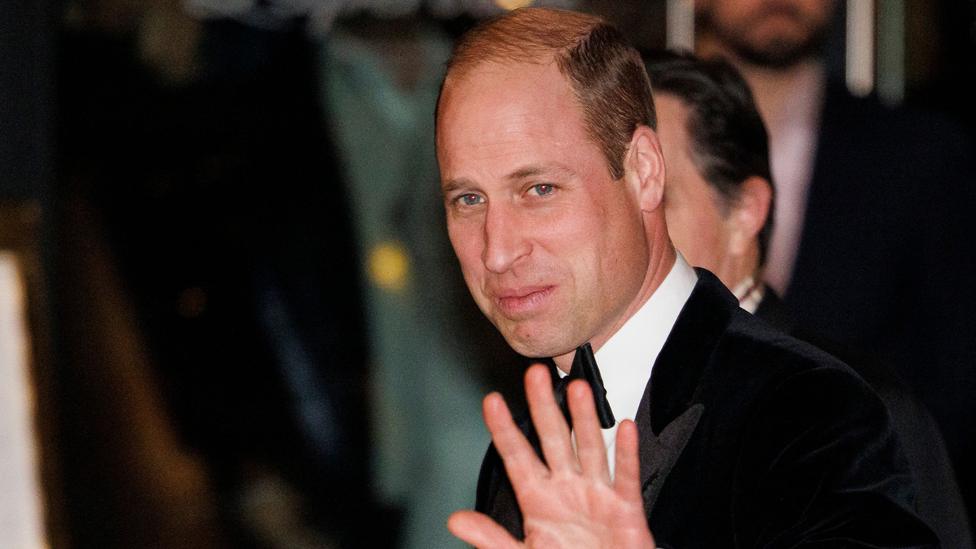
{"x": 792, "y": 148}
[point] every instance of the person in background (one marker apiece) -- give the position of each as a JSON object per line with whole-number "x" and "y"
{"x": 379, "y": 82}
{"x": 872, "y": 246}
{"x": 718, "y": 201}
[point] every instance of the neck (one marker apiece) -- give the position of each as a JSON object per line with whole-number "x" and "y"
{"x": 775, "y": 89}
{"x": 661, "y": 261}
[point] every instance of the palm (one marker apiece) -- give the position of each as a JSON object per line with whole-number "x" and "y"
{"x": 572, "y": 511}
{"x": 571, "y": 502}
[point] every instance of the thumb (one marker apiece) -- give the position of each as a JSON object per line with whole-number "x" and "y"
{"x": 480, "y": 530}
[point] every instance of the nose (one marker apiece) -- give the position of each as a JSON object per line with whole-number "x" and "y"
{"x": 505, "y": 239}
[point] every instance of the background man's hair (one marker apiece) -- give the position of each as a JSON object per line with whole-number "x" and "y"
{"x": 605, "y": 72}
{"x": 728, "y": 139}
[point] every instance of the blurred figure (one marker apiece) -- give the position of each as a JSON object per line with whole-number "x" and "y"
{"x": 287, "y": 296}
{"x": 717, "y": 203}
{"x": 872, "y": 243}
{"x": 204, "y": 234}
{"x": 379, "y": 84}
{"x": 777, "y": 46}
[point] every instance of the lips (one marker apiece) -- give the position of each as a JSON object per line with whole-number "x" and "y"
{"x": 515, "y": 303}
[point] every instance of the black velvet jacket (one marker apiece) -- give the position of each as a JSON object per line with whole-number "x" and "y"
{"x": 749, "y": 438}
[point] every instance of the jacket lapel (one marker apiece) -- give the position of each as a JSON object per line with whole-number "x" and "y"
{"x": 667, "y": 415}
{"x": 668, "y": 412}
{"x": 658, "y": 454}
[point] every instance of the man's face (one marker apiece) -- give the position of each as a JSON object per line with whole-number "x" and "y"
{"x": 552, "y": 249}
{"x": 774, "y": 33}
{"x": 699, "y": 228}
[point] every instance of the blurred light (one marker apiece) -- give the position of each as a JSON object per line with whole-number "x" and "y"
{"x": 681, "y": 25}
{"x": 513, "y": 4}
{"x": 389, "y": 266}
{"x": 860, "y": 46}
{"x": 21, "y": 499}
{"x": 891, "y": 51}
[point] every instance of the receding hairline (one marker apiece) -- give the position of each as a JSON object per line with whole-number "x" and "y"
{"x": 456, "y": 76}
{"x": 516, "y": 37}
{"x": 459, "y": 72}
{"x": 459, "y": 77}
{"x": 603, "y": 70}
{"x": 513, "y": 38}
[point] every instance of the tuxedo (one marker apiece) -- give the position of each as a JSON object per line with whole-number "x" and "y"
{"x": 939, "y": 501}
{"x": 749, "y": 438}
{"x": 885, "y": 263}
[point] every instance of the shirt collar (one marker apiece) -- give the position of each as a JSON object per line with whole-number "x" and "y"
{"x": 749, "y": 293}
{"x": 626, "y": 359}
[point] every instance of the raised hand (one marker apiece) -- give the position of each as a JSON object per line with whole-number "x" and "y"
{"x": 569, "y": 501}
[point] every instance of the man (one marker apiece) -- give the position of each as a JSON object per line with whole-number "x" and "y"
{"x": 717, "y": 202}
{"x": 873, "y": 240}
{"x": 553, "y": 182}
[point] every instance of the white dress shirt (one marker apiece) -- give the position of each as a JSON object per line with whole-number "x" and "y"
{"x": 626, "y": 359}
{"x": 750, "y": 294}
{"x": 792, "y": 148}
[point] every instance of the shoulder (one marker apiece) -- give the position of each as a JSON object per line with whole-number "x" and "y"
{"x": 751, "y": 343}
{"x": 815, "y": 441}
{"x": 783, "y": 384}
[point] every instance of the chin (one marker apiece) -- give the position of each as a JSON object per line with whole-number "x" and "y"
{"x": 536, "y": 345}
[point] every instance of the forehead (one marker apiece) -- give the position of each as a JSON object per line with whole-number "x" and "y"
{"x": 508, "y": 113}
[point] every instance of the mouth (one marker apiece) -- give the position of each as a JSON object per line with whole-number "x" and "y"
{"x": 517, "y": 303}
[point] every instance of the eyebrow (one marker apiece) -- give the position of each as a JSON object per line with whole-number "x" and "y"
{"x": 454, "y": 184}
{"x": 539, "y": 169}
{"x": 524, "y": 172}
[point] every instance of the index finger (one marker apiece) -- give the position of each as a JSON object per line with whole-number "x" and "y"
{"x": 520, "y": 459}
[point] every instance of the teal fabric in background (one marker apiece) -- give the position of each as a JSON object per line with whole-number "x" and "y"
{"x": 425, "y": 355}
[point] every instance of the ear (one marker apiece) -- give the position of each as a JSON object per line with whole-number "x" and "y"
{"x": 644, "y": 168}
{"x": 749, "y": 214}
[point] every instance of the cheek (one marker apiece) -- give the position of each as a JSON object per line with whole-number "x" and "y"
{"x": 467, "y": 244}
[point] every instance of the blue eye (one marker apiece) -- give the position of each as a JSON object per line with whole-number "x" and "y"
{"x": 543, "y": 189}
{"x": 470, "y": 199}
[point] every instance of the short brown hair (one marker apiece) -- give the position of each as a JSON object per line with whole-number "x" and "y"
{"x": 729, "y": 143}
{"x": 606, "y": 73}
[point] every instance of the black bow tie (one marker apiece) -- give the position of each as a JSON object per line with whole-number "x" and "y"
{"x": 585, "y": 368}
